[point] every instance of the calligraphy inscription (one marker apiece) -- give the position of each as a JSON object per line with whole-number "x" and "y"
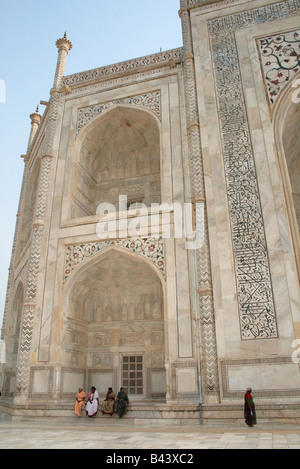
{"x": 254, "y": 287}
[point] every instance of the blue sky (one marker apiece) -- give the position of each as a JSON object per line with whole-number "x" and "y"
{"x": 102, "y": 33}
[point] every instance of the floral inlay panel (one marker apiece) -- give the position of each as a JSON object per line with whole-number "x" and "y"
{"x": 150, "y": 101}
{"x": 280, "y": 60}
{"x": 151, "y": 248}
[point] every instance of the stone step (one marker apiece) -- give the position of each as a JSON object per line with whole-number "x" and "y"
{"x": 146, "y": 413}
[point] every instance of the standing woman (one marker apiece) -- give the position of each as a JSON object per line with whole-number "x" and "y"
{"x": 92, "y": 403}
{"x": 250, "y": 414}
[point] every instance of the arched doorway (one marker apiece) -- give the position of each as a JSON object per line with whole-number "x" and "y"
{"x": 114, "y": 325}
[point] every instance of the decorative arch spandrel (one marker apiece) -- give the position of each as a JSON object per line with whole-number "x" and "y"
{"x": 150, "y": 101}
{"x": 287, "y": 141}
{"x": 153, "y": 249}
{"x": 280, "y": 63}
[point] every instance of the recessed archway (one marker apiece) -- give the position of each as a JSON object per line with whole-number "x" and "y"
{"x": 287, "y": 138}
{"x": 291, "y": 145}
{"x": 114, "y": 324}
{"x": 119, "y": 155}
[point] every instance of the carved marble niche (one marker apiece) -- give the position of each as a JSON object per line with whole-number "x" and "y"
{"x": 115, "y": 307}
{"x": 119, "y": 155}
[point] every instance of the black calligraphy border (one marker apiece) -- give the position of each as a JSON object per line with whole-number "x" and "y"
{"x": 254, "y": 285}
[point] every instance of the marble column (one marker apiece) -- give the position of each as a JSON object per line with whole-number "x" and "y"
{"x": 206, "y": 318}
{"x": 35, "y": 121}
{"x": 31, "y": 287}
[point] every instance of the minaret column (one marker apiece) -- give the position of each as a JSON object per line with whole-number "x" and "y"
{"x": 64, "y": 46}
{"x": 37, "y": 262}
{"x": 35, "y": 122}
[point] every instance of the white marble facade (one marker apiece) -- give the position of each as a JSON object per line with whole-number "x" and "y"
{"x": 212, "y": 124}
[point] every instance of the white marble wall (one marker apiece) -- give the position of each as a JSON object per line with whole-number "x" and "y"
{"x": 281, "y": 255}
{"x": 263, "y": 361}
{"x": 178, "y": 335}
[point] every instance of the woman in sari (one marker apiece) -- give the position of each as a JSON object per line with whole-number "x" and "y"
{"x": 249, "y": 412}
{"x": 80, "y": 397}
{"x": 122, "y": 403}
{"x": 92, "y": 403}
{"x": 107, "y": 407}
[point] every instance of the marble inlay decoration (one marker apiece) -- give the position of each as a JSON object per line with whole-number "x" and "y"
{"x": 254, "y": 286}
{"x": 151, "y": 248}
{"x": 131, "y": 66}
{"x": 280, "y": 61}
{"x": 205, "y": 2}
{"x": 151, "y": 101}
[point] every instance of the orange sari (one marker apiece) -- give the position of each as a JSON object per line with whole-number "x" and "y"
{"x": 79, "y": 403}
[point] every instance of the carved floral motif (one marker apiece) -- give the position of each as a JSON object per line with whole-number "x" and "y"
{"x": 280, "y": 59}
{"x": 150, "y": 101}
{"x": 151, "y": 248}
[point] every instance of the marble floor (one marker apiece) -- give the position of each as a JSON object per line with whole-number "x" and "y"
{"x": 95, "y": 434}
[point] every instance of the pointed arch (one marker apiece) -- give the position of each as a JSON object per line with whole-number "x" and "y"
{"x": 95, "y": 258}
{"x": 117, "y": 153}
{"x": 114, "y": 307}
{"x": 104, "y": 112}
{"x": 287, "y": 140}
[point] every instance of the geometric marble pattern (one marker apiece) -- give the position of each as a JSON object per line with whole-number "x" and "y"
{"x": 204, "y": 275}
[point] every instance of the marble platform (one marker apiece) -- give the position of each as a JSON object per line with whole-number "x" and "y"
{"x": 95, "y": 434}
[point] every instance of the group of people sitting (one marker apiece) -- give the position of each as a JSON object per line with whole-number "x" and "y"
{"x": 112, "y": 404}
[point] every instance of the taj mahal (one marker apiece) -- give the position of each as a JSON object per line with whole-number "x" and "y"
{"x": 101, "y": 292}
